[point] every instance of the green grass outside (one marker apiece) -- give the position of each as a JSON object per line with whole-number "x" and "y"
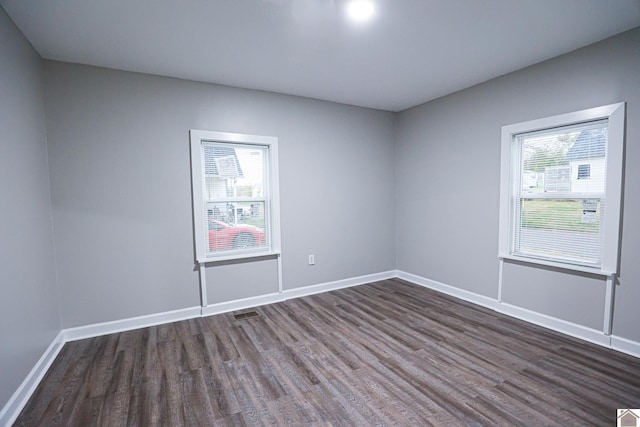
{"x": 552, "y": 214}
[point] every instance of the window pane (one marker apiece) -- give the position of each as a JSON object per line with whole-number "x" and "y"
{"x": 570, "y": 159}
{"x": 233, "y": 171}
{"x": 233, "y": 226}
{"x": 567, "y": 229}
{"x": 236, "y": 208}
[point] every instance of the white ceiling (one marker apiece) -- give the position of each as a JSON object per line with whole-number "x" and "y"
{"x": 411, "y": 52}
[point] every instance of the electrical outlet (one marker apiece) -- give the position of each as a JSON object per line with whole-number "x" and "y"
{"x": 312, "y": 260}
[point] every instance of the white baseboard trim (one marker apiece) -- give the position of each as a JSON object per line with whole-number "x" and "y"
{"x": 14, "y": 406}
{"x": 98, "y": 329}
{"x": 625, "y": 345}
{"x": 245, "y": 303}
{"x": 449, "y": 290}
{"x": 338, "y": 284}
{"x": 594, "y": 336}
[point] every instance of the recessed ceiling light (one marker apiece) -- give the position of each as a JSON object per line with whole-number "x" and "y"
{"x": 360, "y": 10}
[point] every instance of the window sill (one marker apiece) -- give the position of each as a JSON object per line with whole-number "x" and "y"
{"x": 238, "y": 256}
{"x": 570, "y": 267}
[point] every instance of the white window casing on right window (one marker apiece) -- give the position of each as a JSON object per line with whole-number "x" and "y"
{"x": 561, "y": 190}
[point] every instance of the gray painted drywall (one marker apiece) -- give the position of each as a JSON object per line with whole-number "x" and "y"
{"x": 233, "y": 280}
{"x": 120, "y": 178}
{"x": 576, "y": 298}
{"x": 29, "y": 309}
{"x": 447, "y": 180}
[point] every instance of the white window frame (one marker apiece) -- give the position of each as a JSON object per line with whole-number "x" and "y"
{"x": 510, "y": 168}
{"x": 197, "y": 137}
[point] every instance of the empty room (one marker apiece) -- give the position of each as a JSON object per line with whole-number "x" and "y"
{"x": 320, "y": 212}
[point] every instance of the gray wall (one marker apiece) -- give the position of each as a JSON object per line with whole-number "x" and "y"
{"x": 233, "y": 280}
{"x": 29, "y": 311}
{"x": 120, "y": 179}
{"x": 447, "y": 179}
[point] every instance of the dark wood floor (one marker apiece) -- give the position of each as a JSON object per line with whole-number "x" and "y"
{"x": 387, "y": 353}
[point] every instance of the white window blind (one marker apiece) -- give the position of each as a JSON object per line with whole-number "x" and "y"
{"x": 234, "y": 179}
{"x": 236, "y": 204}
{"x": 559, "y": 212}
{"x": 561, "y": 189}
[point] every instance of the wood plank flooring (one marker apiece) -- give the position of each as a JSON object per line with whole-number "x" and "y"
{"x": 386, "y": 353}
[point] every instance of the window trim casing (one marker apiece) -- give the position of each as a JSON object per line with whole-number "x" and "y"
{"x": 615, "y": 113}
{"x": 196, "y": 138}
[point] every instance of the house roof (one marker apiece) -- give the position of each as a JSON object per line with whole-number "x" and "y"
{"x": 590, "y": 143}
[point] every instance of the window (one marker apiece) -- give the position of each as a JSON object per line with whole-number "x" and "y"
{"x": 235, "y": 195}
{"x": 584, "y": 171}
{"x": 561, "y": 183}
